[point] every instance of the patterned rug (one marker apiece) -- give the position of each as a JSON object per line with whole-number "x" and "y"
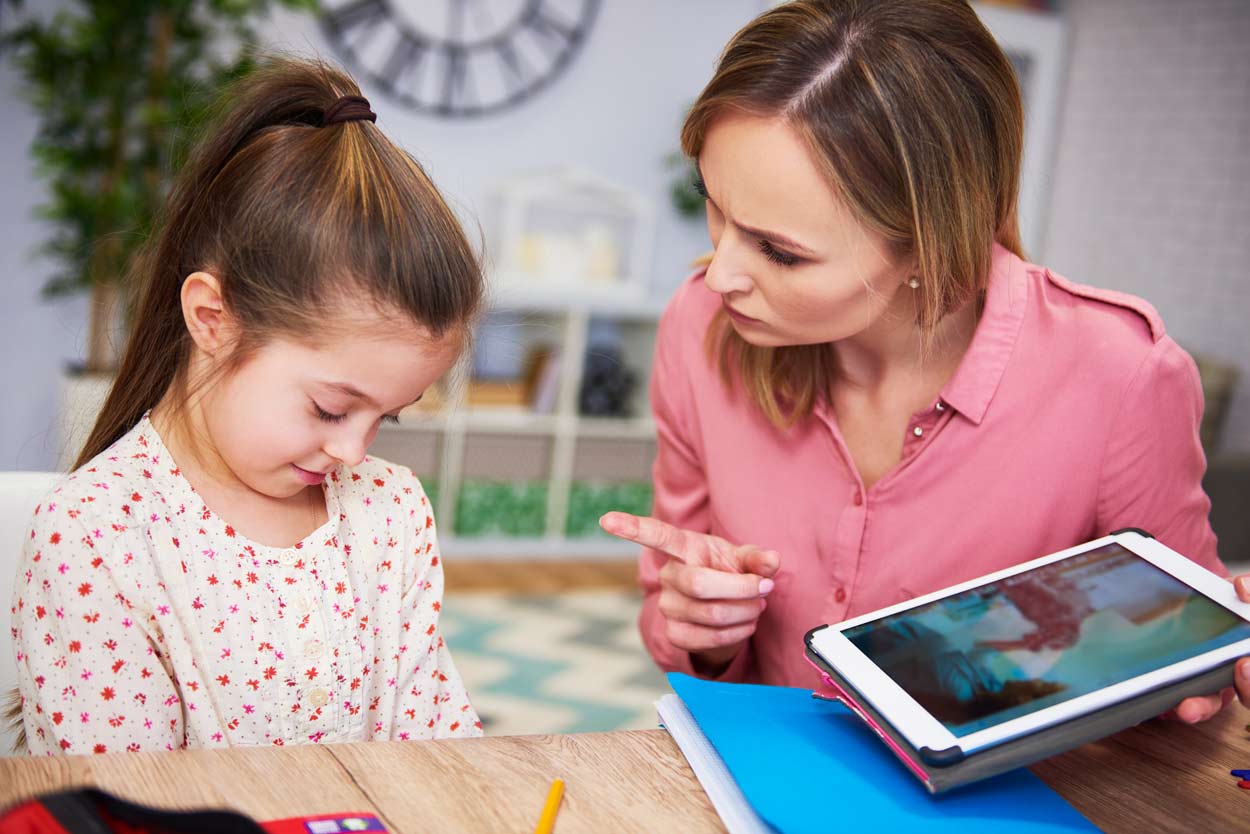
{"x": 561, "y": 663}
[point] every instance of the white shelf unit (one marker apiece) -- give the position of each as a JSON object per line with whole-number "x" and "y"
{"x": 435, "y": 444}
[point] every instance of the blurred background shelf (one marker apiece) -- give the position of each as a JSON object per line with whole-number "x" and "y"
{"x": 512, "y": 481}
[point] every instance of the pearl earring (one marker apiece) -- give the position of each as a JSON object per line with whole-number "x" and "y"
{"x": 914, "y": 283}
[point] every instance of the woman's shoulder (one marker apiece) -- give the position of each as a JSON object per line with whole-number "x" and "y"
{"x": 1122, "y": 331}
{"x": 687, "y": 316}
{"x": 692, "y": 301}
{"x": 1132, "y": 319}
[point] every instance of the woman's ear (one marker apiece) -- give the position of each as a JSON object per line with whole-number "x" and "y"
{"x": 205, "y": 314}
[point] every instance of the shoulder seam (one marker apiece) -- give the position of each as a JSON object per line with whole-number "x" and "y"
{"x": 1114, "y": 298}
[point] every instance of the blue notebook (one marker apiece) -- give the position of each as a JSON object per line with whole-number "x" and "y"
{"x": 807, "y": 765}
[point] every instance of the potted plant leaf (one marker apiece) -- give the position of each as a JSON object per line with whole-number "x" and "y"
{"x": 117, "y": 86}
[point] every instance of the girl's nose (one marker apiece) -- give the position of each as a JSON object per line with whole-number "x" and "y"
{"x": 349, "y": 451}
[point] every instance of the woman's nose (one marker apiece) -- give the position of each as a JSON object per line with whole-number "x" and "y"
{"x": 726, "y": 273}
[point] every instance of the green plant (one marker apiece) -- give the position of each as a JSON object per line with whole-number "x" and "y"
{"x": 686, "y": 199}
{"x": 119, "y": 86}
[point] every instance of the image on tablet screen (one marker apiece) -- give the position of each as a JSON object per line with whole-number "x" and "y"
{"x": 1044, "y": 636}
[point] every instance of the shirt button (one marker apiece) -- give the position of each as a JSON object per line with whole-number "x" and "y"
{"x": 859, "y": 499}
{"x": 318, "y": 698}
{"x": 840, "y": 596}
{"x": 313, "y": 649}
{"x": 941, "y": 406}
{"x": 303, "y": 604}
{"x": 917, "y": 431}
{"x": 287, "y": 558}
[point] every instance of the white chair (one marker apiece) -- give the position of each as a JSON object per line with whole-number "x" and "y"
{"x": 20, "y": 492}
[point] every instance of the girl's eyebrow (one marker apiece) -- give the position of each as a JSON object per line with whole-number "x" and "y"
{"x": 354, "y": 392}
{"x": 351, "y": 391}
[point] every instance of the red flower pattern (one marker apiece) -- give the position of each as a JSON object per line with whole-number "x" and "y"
{"x": 155, "y": 597}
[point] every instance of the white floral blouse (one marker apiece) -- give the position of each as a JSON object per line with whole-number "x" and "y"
{"x": 142, "y": 621}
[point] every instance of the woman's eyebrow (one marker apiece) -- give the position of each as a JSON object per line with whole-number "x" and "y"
{"x": 778, "y": 238}
{"x": 772, "y": 237}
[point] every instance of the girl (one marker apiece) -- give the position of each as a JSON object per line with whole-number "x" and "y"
{"x": 226, "y": 566}
{"x": 868, "y": 380}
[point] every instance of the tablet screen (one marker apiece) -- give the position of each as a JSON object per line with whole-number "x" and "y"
{"x": 1041, "y": 637}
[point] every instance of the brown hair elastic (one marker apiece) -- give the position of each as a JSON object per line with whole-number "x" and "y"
{"x": 348, "y": 109}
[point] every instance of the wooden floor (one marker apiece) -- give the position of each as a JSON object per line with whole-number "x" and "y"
{"x": 544, "y": 576}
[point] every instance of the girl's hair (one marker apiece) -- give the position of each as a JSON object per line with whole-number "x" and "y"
{"x": 913, "y": 113}
{"x": 293, "y": 217}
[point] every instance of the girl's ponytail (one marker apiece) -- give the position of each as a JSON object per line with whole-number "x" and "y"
{"x": 282, "y": 204}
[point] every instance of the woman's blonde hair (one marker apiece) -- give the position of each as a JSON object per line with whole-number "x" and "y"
{"x": 913, "y": 113}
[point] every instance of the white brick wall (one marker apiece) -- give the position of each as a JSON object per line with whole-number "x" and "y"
{"x": 1151, "y": 190}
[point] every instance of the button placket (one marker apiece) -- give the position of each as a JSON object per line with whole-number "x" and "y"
{"x": 849, "y": 535}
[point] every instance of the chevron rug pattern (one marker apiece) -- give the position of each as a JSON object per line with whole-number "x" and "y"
{"x": 570, "y": 662}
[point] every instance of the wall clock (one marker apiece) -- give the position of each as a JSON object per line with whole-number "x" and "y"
{"x": 459, "y": 58}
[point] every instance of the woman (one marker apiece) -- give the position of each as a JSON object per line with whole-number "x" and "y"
{"x": 869, "y": 394}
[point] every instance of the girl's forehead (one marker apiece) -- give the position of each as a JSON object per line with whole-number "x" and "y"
{"x": 390, "y": 361}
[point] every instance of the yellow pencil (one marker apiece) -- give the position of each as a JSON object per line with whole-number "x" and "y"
{"x": 547, "y": 822}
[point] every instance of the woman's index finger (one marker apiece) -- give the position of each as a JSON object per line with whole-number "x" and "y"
{"x": 650, "y": 532}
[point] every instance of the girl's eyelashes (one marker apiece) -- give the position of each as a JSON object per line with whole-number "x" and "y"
{"x": 776, "y": 255}
{"x": 326, "y": 416}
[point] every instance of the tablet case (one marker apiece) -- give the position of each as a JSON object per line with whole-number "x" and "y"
{"x": 941, "y": 770}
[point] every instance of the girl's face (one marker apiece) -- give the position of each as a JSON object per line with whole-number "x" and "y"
{"x": 791, "y": 264}
{"x": 295, "y": 411}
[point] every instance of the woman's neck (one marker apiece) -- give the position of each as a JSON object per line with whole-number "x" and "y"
{"x": 894, "y": 347}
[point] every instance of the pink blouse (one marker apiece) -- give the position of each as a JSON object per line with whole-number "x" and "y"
{"x": 1072, "y": 415}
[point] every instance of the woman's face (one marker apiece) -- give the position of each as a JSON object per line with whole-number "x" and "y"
{"x": 791, "y": 264}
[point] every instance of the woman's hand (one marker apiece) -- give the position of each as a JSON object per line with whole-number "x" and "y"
{"x": 1193, "y": 710}
{"x": 711, "y": 592}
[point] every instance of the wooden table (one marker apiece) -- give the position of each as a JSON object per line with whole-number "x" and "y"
{"x": 1159, "y": 777}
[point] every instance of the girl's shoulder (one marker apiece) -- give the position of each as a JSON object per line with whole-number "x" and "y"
{"x": 377, "y": 486}
{"x": 123, "y": 489}
{"x": 132, "y": 475}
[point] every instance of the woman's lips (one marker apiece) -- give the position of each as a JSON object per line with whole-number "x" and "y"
{"x": 739, "y": 317}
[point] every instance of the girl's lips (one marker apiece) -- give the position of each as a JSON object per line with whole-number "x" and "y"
{"x": 307, "y": 477}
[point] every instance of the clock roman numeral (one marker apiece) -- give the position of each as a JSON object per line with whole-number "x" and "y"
{"x": 511, "y": 60}
{"x": 478, "y": 62}
{"x": 454, "y": 78}
{"x": 357, "y": 16}
{"x": 407, "y": 56}
{"x": 553, "y": 34}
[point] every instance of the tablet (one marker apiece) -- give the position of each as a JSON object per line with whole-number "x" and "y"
{"x": 1046, "y": 642}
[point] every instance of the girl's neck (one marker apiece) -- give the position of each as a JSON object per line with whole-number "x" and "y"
{"x": 185, "y": 434}
{"x": 273, "y": 522}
